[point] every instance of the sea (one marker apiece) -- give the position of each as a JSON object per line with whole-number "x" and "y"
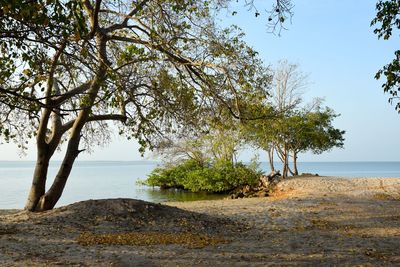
{"x": 119, "y": 179}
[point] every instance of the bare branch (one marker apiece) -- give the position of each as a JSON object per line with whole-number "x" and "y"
{"x": 128, "y": 16}
{"x": 58, "y": 100}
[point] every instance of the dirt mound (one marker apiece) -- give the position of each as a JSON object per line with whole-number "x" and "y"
{"x": 122, "y": 215}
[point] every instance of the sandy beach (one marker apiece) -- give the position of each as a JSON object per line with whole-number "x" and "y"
{"x": 306, "y": 221}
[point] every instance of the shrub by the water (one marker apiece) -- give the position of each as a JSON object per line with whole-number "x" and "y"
{"x": 220, "y": 176}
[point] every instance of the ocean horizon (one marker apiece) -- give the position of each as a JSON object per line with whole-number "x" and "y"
{"x": 119, "y": 179}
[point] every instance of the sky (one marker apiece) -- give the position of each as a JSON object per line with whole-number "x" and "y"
{"x": 332, "y": 41}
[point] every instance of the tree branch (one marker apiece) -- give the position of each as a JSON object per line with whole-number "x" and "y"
{"x": 124, "y": 23}
{"x": 105, "y": 117}
{"x": 42, "y": 129}
{"x": 56, "y": 101}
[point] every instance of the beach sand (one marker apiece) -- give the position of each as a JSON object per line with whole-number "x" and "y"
{"x": 306, "y": 221}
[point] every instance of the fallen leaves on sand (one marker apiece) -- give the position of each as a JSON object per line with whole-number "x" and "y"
{"x": 149, "y": 238}
{"x": 332, "y": 226}
{"x": 385, "y": 196}
{"x": 8, "y": 231}
{"x": 373, "y": 253}
{"x": 323, "y": 224}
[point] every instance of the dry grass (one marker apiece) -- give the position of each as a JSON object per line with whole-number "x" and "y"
{"x": 149, "y": 238}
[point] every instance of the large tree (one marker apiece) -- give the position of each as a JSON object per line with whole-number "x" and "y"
{"x": 71, "y": 67}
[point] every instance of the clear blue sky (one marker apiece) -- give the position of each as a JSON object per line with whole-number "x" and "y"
{"x": 332, "y": 41}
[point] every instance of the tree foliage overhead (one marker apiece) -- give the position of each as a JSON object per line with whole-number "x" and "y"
{"x": 387, "y": 23}
{"x": 159, "y": 59}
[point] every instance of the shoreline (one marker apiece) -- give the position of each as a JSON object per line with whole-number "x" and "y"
{"x": 306, "y": 221}
{"x": 227, "y": 195}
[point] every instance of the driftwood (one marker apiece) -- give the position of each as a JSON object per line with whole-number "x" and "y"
{"x": 265, "y": 185}
{"x": 266, "y": 180}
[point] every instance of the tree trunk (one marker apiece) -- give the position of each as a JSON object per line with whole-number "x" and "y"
{"x": 285, "y": 163}
{"x": 271, "y": 158}
{"x": 50, "y": 199}
{"x": 38, "y": 199}
{"x": 44, "y": 149}
{"x": 45, "y": 152}
{"x": 38, "y": 187}
{"x": 295, "y": 170}
{"x": 284, "y": 157}
{"x": 290, "y": 170}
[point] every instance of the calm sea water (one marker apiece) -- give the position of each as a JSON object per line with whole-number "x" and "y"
{"x": 104, "y": 179}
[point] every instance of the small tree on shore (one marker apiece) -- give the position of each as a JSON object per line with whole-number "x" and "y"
{"x": 285, "y": 95}
{"x": 294, "y": 129}
{"x": 312, "y": 131}
{"x": 295, "y": 133}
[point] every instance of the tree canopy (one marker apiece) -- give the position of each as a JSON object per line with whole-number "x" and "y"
{"x": 386, "y": 23}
